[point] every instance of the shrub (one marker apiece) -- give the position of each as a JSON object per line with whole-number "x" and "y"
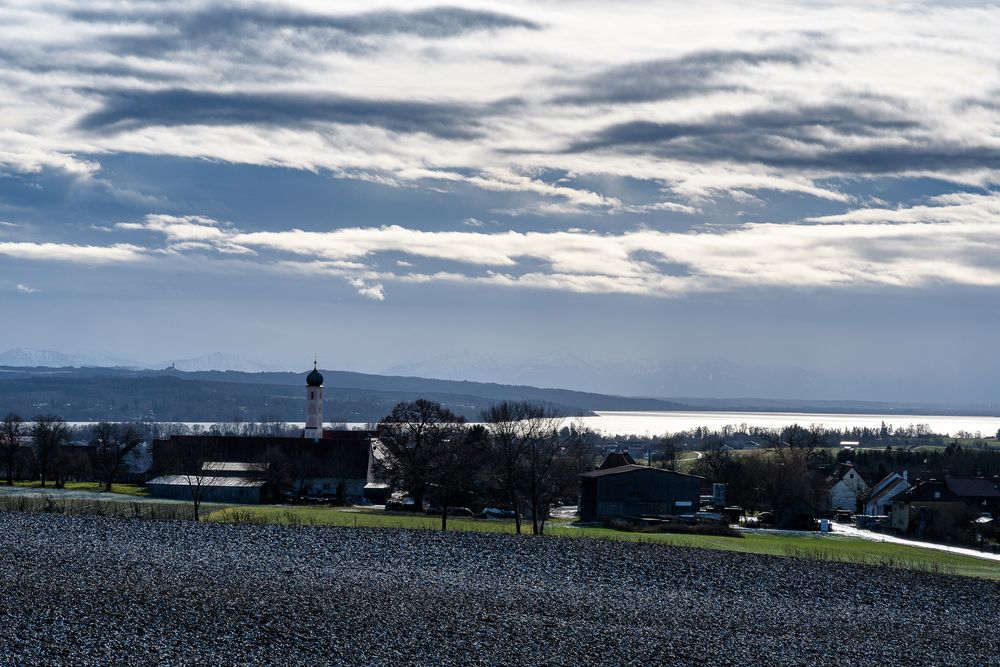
{"x": 678, "y": 527}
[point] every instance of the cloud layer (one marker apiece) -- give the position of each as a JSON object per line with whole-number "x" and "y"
{"x": 950, "y": 242}
{"x": 814, "y": 98}
{"x": 785, "y": 146}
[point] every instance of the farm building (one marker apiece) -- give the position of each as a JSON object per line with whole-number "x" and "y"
{"x": 635, "y": 490}
{"x": 211, "y": 489}
{"x": 339, "y": 463}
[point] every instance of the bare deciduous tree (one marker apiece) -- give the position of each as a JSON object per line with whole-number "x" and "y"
{"x": 112, "y": 445}
{"x": 188, "y": 461}
{"x": 457, "y": 462}
{"x": 414, "y": 435}
{"x": 670, "y": 444}
{"x": 526, "y": 452}
{"x": 69, "y": 464}
{"x": 49, "y": 433}
{"x": 504, "y": 422}
{"x": 12, "y": 434}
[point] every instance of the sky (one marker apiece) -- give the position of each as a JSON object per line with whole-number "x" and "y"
{"x": 789, "y": 184}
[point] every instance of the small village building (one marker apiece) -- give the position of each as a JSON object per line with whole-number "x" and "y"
{"x": 879, "y": 502}
{"x": 210, "y": 489}
{"x": 218, "y": 482}
{"x": 339, "y": 464}
{"x": 845, "y": 487}
{"x": 981, "y": 493}
{"x": 929, "y": 509}
{"x": 635, "y": 490}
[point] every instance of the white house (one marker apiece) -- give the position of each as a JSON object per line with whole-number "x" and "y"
{"x": 880, "y": 498}
{"x": 845, "y": 487}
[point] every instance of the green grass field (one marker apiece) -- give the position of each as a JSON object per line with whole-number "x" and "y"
{"x": 124, "y": 489}
{"x": 823, "y": 547}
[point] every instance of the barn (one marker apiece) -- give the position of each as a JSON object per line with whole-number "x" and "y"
{"x": 211, "y": 489}
{"x": 339, "y": 463}
{"x": 635, "y": 490}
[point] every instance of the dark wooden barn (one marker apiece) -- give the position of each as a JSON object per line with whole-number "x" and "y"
{"x": 635, "y": 490}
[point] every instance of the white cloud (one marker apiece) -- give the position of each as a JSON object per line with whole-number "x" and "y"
{"x": 952, "y": 240}
{"x": 933, "y": 88}
{"x": 373, "y": 291}
{"x": 78, "y": 254}
{"x": 25, "y": 289}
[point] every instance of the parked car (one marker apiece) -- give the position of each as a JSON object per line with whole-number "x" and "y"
{"x": 400, "y": 502}
{"x": 496, "y": 513}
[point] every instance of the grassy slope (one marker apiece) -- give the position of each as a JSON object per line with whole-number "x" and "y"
{"x": 811, "y": 546}
{"x": 125, "y": 489}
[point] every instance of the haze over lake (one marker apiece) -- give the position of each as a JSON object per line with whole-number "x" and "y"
{"x": 653, "y": 423}
{"x": 658, "y": 423}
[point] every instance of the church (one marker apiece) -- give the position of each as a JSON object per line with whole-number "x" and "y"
{"x": 336, "y": 464}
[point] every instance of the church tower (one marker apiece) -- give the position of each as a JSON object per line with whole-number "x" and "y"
{"x": 314, "y": 405}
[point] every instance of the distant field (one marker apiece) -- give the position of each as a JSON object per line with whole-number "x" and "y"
{"x": 806, "y": 546}
{"x": 125, "y": 489}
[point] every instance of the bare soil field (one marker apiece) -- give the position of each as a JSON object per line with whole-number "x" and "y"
{"x": 91, "y": 590}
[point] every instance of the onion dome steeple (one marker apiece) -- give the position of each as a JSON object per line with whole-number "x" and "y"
{"x": 315, "y": 378}
{"x": 314, "y": 405}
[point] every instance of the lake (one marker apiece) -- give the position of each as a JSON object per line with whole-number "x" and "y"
{"x": 657, "y": 423}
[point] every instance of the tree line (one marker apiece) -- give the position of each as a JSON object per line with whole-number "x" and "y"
{"x": 519, "y": 456}
{"x": 41, "y": 449}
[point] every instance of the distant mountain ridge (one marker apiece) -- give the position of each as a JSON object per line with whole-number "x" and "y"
{"x": 217, "y": 361}
{"x": 685, "y": 382}
{"x": 93, "y": 394}
{"x": 23, "y": 357}
{"x": 28, "y": 357}
{"x": 715, "y": 380}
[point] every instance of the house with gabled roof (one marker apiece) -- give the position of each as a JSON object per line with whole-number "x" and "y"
{"x": 929, "y": 508}
{"x": 880, "y": 497}
{"x": 981, "y": 493}
{"x": 845, "y": 488}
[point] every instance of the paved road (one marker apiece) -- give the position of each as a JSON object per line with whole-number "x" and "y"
{"x": 849, "y": 530}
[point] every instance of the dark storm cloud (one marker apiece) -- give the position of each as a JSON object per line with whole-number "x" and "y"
{"x": 251, "y": 29}
{"x": 649, "y": 81}
{"x": 804, "y": 138}
{"x": 132, "y": 109}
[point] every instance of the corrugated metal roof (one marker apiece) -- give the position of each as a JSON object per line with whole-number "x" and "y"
{"x": 632, "y": 468}
{"x": 344, "y": 455}
{"x": 234, "y": 466}
{"x": 205, "y": 481}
